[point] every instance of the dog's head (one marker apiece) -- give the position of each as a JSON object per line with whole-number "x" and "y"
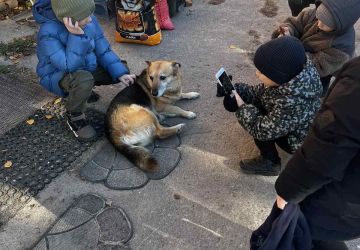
{"x": 162, "y": 76}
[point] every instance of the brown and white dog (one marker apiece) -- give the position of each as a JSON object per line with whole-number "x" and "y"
{"x": 132, "y": 119}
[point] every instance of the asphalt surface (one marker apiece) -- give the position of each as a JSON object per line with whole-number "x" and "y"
{"x": 216, "y": 205}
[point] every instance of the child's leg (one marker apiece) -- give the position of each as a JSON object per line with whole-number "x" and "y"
{"x": 297, "y": 6}
{"x": 268, "y": 150}
{"x": 79, "y": 85}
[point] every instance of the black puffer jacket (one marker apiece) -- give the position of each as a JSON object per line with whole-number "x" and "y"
{"x": 324, "y": 174}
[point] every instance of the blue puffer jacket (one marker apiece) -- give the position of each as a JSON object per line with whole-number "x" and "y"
{"x": 59, "y": 51}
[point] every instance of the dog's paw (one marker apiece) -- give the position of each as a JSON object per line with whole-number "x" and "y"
{"x": 180, "y": 127}
{"x": 161, "y": 118}
{"x": 191, "y": 115}
{"x": 194, "y": 95}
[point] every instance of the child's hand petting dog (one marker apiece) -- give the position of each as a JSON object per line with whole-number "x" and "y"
{"x": 73, "y": 29}
{"x": 127, "y": 79}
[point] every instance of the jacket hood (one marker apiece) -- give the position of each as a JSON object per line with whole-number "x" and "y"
{"x": 42, "y": 11}
{"x": 306, "y": 84}
{"x": 345, "y": 12}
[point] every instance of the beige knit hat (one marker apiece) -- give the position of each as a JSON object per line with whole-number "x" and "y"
{"x": 324, "y": 15}
{"x": 76, "y": 9}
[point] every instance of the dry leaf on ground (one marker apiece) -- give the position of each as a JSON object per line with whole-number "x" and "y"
{"x": 232, "y": 47}
{"x": 16, "y": 62}
{"x": 48, "y": 116}
{"x": 57, "y": 101}
{"x": 30, "y": 121}
{"x": 109, "y": 203}
{"x": 23, "y": 138}
{"x": 7, "y": 164}
{"x": 12, "y": 58}
{"x": 4, "y": 150}
{"x": 177, "y": 196}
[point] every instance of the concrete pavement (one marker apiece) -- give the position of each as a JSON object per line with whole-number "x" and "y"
{"x": 219, "y": 206}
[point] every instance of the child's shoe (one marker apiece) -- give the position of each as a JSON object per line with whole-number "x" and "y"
{"x": 260, "y": 166}
{"x": 81, "y": 127}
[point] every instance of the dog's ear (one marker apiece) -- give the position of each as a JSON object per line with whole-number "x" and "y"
{"x": 175, "y": 64}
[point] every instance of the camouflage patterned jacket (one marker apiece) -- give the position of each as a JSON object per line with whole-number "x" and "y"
{"x": 273, "y": 112}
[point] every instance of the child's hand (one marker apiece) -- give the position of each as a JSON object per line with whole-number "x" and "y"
{"x": 127, "y": 79}
{"x": 286, "y": 31}
{"x": 280, "y": 202}
{"x": 239, "y": 101}
{"x": 73, "y": 29}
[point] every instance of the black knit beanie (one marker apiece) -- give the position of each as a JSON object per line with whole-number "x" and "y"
{"x": 280, "y": 59}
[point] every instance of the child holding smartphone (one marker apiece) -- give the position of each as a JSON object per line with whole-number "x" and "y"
{"x": 280, "y": 110}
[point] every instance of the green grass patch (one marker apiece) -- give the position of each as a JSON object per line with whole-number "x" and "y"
{"x": 25, "y": 45}
{"x": 4, "y": 70}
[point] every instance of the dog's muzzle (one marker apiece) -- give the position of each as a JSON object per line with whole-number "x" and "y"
{"x": 154, "y": 92}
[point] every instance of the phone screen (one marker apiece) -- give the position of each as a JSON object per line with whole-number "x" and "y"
{"x": 226, "y": 82}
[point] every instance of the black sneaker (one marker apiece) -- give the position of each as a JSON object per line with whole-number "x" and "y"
{"x": 260, "y": 166}
{"x": 81, "y": 127}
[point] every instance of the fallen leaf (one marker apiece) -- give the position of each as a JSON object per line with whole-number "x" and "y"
{"x": 7, "y": 164}
{"x": 177, "y": 196}
{"x": 23, "y": 138}
{"x": 48, "y": 116}
{"x": 34, "y": 44}
{"x": 26, "y": 190}
{"x": 21, "y": 55}
{"x": 12, "y": 58}
{"x": 30, "y": 121}
{"x": 57, "y": 101}
{"x": 24, "y": 38}
{"x": 232, "y": 47}
{"x": 4, "y": 150}
{"x": 48, "y": 107}
{"x": 16, "y": 62}
{"x": 109, "y": 203}
{"x": 7, "y": 17}
{"x": 191, "y": 10}
{"x": 21, "y": 23}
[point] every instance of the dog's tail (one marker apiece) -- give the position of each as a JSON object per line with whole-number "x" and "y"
{"x": 140, "y": 157}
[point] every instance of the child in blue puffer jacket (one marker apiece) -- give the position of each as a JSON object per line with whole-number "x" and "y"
{"x": 74, "y": 56}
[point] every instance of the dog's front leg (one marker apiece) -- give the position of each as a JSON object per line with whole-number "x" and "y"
{"x": 158, "y": 116}
{"x": 190, "y": 95}
{"x": 174, "y": 110}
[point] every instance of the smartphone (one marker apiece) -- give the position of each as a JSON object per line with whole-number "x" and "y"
{"x": 224, "y": 80}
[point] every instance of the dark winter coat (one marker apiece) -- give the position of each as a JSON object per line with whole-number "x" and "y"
{"x": 282, "y": 230}
{"x": 328, "y": 50}
{"x": 324, "y": 174}
{"x": 60, "y": 52}
{"x": 285, "y": 110}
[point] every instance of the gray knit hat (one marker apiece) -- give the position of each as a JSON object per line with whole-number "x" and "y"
{"x": 324, "y": 15}
{"x": 76, "y": 9}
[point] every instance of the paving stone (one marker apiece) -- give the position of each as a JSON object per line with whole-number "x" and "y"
{"x": 118, "y": 247}
{"x": 90, "y": 203}
{"x": 126, "y": 179}
{"x": 121, "y": 162}
{"x": 168, "y": 159}
{"x": 103, "y": 227}
{"x": 73, "y": 218}
{"x": 41, "y": 245}
{"x": 84, "y": 237}
{"x": 94, "y": 172}
{"x": 106, "y": 157}
{"x": 170, "y": 142}
{"x": 124, "y": 175}
{"x": 114, "y": 225}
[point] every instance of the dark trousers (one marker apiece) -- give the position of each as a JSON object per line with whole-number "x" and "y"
{"x": 329, "y": 245}
{"x": 297, "y": 6}
{"x": 268, "y": 149}
{"x": 79, "y": 85}
{"x": 325, "y": 81}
